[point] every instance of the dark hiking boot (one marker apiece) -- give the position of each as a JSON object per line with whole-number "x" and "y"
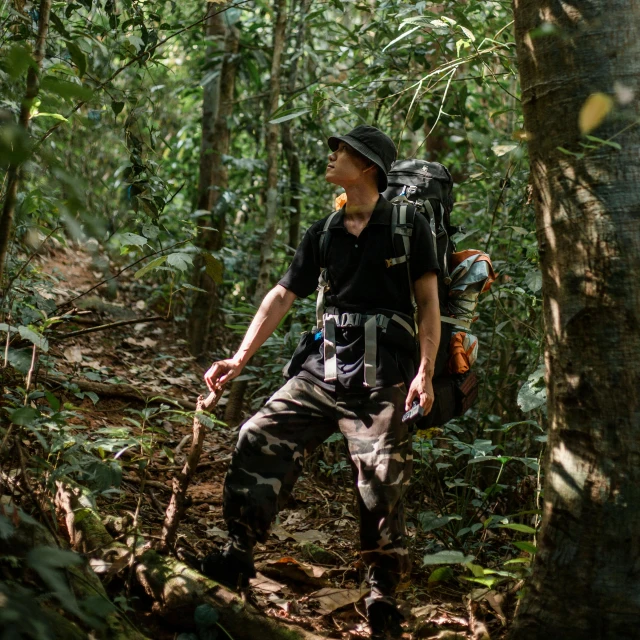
{"x": 384, "y": 620}
{"x": 231, "y": 567}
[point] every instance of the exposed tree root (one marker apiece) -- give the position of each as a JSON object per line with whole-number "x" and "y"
{"x": 175, "y": 588}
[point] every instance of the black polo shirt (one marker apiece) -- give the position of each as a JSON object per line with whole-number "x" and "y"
{"x": 360, "y": 281}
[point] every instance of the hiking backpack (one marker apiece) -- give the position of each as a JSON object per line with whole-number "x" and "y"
{"x": 428, "y": 186}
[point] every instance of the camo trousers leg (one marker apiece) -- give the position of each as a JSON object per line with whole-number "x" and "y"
{"x": 269, "y": 455}
{"x": 268, "y": 460}
{"x": 381, "y": 453}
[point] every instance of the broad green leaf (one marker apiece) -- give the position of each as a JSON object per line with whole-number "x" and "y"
{"x": 137, "y": 42}
{"x": 56, "y": 116}
{"x": 609, "y": 143}
{"x": 441, "y": 574}
{"x": 468, "y": 33}
{"x": 131, "y": 239}
{"x": 156, "y": 262}
{"x": 525, "y": 546}
{"x": 486, "y": 581}
{"x": 34, "y": 337}
{"x": 523, "y": 528}
{"x": 205, "y": 616}
{"x": 78, "y": 56}
{"x": 430, "y": 521}
{"x": 181, "y": 261}
{"x": 446, "y": 557}
{"x": 117, "y": 107}
{"x": 150, "y": 231}
{"x": 289, "y": 116}
{"x": 24, "y": 416}
{"x": 503, "y": 149}
{"x": 18, "y": 60}
{"x": 533, "y": 280}
{"x": 214, "y": 267}
{"x": 66, "y": 89}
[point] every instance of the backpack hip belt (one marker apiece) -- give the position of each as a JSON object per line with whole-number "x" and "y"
{"x": 333, "y": 318}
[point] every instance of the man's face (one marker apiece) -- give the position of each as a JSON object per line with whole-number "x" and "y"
{"x": 347, "y": 167}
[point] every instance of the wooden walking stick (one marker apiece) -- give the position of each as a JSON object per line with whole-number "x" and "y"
{"x": 176, "y": 508}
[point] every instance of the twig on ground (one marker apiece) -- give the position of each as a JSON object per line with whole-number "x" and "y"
{"x": 30, "y": 373}
{"x": 111, "y": 325}
{"x": 148, "y": 483}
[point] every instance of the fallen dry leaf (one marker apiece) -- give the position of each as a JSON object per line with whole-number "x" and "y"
{"x": 280, "y": 532}
{"x": 330, "y": 598}
{"x": 292, "y": 569}
{"x": 73, "y": 354}
{"x": 146, "y": 342}
{"x": 310, "y": 536}
{"x": 262, "y": 583}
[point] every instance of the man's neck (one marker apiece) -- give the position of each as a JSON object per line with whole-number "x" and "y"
{"x": 361, "y": 201}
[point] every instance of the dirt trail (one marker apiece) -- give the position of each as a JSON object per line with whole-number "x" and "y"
{"x": 310, "y": 570}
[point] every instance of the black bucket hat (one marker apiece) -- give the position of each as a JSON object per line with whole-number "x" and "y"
{"x": 373, "y": 145}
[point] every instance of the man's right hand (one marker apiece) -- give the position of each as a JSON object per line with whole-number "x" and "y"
{"x": 221, "y": 372}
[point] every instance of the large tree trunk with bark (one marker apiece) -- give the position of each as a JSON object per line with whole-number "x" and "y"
{"x": 13, "y": 174}
{"x": 289, "y": 147}
{"x": 217, "y": 107}
{"x": 585, "y": 583}
{"x": 263, "y": 282}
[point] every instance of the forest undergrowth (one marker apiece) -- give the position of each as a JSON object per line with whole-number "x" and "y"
{"x": 78, "y": 418}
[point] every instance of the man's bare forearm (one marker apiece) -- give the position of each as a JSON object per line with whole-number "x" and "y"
{"x": 272, "y": 310}
{"x": 429, "y": 336}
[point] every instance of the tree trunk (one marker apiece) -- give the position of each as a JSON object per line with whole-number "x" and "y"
{"x": 13, "y": 174}
{"x": 288, "y": 145}
{"x": 217, "y": 106}
{"x": 263, "y": 282}
{"x": 585, "y": 579}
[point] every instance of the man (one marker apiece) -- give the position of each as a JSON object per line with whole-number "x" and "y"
{"x": 351, "y": 373}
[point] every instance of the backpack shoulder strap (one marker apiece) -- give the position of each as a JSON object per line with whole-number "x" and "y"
{"x": 402, "y": 218}
{"x": 324, "y": 239}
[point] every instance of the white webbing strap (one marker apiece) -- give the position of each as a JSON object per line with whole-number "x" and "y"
{"x": 323, "y": 287}
{"x": 330, "y": 357}
{"x": 370, "y": 351}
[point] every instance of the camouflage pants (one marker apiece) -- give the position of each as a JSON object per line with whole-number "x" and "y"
{"x": 269, "y": 455}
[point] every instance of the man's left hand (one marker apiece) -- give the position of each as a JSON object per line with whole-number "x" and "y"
{"x": 421, "y": 389}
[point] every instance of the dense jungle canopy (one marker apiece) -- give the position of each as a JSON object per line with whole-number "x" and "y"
{"x": 160, "y": 162}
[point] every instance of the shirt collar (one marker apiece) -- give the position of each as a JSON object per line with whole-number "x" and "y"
{"x": 381, "y": 214}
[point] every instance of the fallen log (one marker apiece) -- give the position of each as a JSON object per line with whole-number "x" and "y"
{"x": 120, "y": 391}
{"x": 175, "y": 588}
